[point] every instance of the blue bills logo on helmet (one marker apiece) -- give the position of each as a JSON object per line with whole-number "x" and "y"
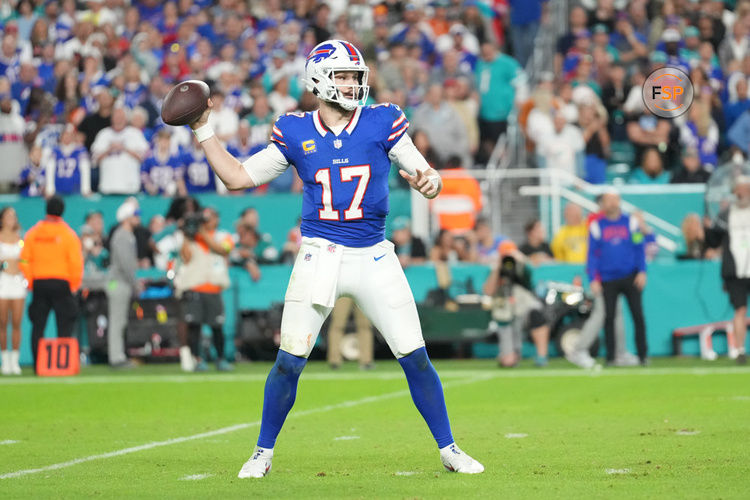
{"x": 320, "y": 52}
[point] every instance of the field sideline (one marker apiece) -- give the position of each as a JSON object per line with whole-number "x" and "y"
{"x": 676, "y": 430}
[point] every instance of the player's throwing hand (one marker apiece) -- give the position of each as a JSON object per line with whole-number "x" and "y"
{"x": 204, "y": 117}
{"x": 428, "y": 184}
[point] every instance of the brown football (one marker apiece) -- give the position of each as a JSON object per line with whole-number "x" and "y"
{"x": 185, "y": 102}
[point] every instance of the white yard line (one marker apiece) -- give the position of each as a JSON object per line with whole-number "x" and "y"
{"x": 383, "y": 375}
{"x": 226, "y": 430}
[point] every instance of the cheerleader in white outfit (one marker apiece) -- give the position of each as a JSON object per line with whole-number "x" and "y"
{"x": 12, "y": 289}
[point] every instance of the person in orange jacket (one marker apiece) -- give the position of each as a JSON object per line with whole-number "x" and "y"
{"x": 52, "y": 261}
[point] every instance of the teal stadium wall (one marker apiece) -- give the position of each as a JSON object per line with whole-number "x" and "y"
{"x": 679, "y": 293}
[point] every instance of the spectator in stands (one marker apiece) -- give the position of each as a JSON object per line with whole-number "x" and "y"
{"x": 119, "y": 150}
{"x": 95, "y": 253}
{"x": 630, "y": 44}
{"x": 487, "y": 243}
{"x": 198, "y": 176}
{"x": 241, "y": 146}
{"x": 32, "y": 180}
{"x": 701, "y": 133}
{"x": 651, "y": 170}
{"x": 562, "y": 148}
{"x": 516, "y": 306}
{"x": 691, "y": 171}
{"x": 731, "y": 230}
{"x": 260, "y": 119}
{"x": 95, "y": 122}
{"x": 736, "y": 45}
{"x": 536, "y": 247}
{"x": 443, "y": 126}
{"x": 592, "y": 119}
{"x": 410, "y": 249}
{"x": 738, "y": 103}
{"x": 614, "y": 93}
{"x": 244, "y": 252}
{"x": 526, "y": 16}
{"x": 225, "y": 121}
{"x": 68, "y": 169}
{"x": 122, "y": 286}
{"x": 458, "y": 95}
{"x": 12, "y": 126}
{"x": 52, "y": 261}
{"x": 739, "y": 133}
{"x": 265, "y": 251}
{"x": 570, "y": 244}
{"x": 616, "y": 265}
{"x": 163, "y": 169}
{"x": 577, "y": 23}
{"x": 499, "y": 78}
{"x": 446, "y": 249}
{"x": 12, "y": 289}
{"x": 291, "y": 246}
{"x": 201, "y": 279}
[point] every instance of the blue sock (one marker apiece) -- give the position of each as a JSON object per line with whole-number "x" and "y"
{"x": 427, "y": 393}
{"x": 279, "y": 395}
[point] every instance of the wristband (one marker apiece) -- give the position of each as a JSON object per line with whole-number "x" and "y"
{"x": 204, "y": 132}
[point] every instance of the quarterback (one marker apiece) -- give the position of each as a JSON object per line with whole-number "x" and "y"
{"x": 343, "y": 153}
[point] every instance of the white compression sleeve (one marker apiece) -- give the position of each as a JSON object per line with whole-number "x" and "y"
{"x": 265, "y": 165}
{"x": 406, "y": 155}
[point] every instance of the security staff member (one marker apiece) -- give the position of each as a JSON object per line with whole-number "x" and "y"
{"x": 52, "y": 260}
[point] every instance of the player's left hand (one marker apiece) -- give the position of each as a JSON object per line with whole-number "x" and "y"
{"x": 423, "y": 183}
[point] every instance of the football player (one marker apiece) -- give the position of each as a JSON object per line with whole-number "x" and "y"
{"x": 343, "y": 153}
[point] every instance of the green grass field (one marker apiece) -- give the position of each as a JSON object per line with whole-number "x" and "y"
{"x": 679, "y": 429}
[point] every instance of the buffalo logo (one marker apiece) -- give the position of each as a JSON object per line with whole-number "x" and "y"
{"x": 321, "y": 53}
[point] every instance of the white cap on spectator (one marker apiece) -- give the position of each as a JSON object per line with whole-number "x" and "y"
{"x": 671, "y": 35}
{"x": 127, "y": 209}
{"x": 583, "y": 95}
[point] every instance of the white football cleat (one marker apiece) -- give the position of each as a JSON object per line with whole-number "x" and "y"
{"x": 258, "y": 465}
{"x": 455, "y": 460}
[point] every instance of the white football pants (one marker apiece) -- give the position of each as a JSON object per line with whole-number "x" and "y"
{"x": 372, "y": 276}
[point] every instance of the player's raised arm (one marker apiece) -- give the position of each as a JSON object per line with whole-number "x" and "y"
{"x": 227, "y": 167}
{"x": 415, "y": 169}
{"x": 260, "y": 168}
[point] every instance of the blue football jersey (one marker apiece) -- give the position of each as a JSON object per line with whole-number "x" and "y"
{"x": 198, "y": 176}
{"x": 345, "y": 196}
{"x": 68, "y": 169}
{"x": 163, "y": 172}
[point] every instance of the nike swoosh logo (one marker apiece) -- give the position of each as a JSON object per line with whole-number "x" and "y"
{"x": 378, "y": 258}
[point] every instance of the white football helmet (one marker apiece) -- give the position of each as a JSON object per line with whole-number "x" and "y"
{"x": 324, "y": 61}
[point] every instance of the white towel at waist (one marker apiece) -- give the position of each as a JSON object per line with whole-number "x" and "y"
{"x": 326, "y": 276}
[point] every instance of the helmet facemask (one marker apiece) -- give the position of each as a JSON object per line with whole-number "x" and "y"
{"x": 330, "y": 91}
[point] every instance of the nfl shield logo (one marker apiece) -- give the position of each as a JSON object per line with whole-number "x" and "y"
{"x": 332, "y": 248}
{"x": 337, "y": 143}
{"x": 308, "y": 256}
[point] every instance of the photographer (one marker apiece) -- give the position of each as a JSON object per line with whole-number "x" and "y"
{"x": 516, "y": 306}
{"x": 200, "y": 281}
